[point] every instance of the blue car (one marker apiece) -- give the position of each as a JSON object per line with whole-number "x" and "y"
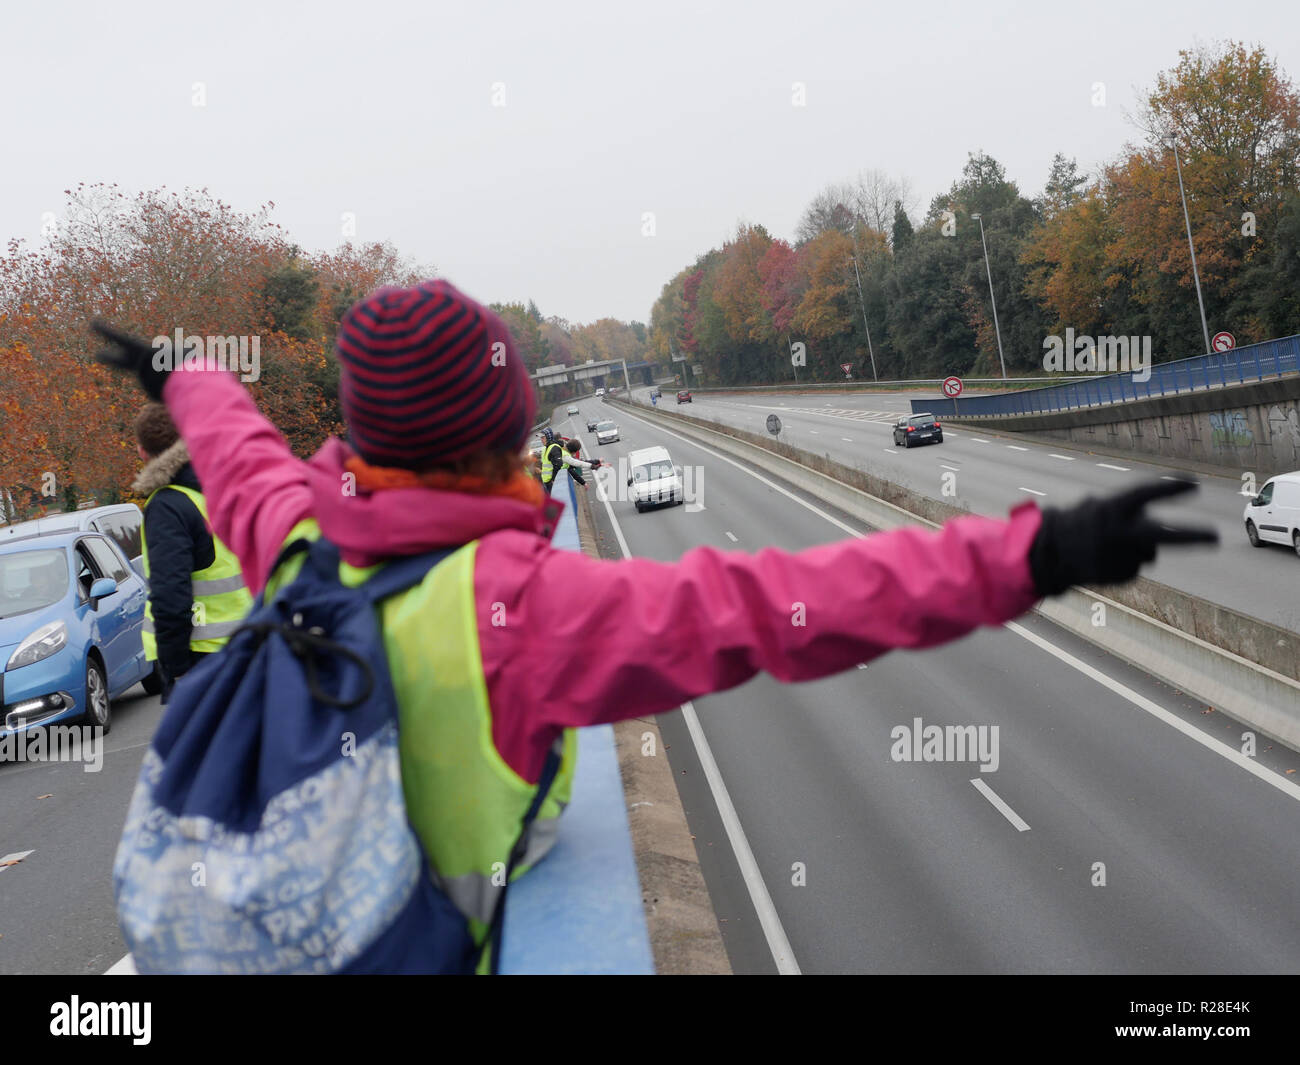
{"x": 71, "y": 615}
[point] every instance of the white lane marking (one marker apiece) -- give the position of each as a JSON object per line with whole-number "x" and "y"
{"x": 1108, "y": 466}
{"x": 777, "y": 941}
{"x": 123, "y": 967}
{"x": 1140, "y": 701}
{"x": 13, "y": 859}
{"x": 732, "y": 537}
{"x": 1063, "y": 458}
{"x": 1015, "y": 447}
{"x": 1172, "y": 720}
{"x": 1166, "y": 477}
{"x": 955, "y": 469}
{"x": 978, "y": 440}
{"x": 846, "y": 439}
{"x": 768, "y": 919}
{"x": 1032, "y": 491}
{"x": 891, "y": 450}
{"x": 1000, "y": 805}
{"x": 814, "y": 432}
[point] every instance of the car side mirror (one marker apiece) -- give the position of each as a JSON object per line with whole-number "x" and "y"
{"x": 629, "y": 481}
{"x": 102, "y": 588}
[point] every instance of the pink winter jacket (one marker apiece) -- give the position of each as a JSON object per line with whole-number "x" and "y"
{"x": 593, "y": 641}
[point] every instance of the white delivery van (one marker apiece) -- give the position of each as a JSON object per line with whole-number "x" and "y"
{"x": 1273, "y": 516}
{"x": 653, "y": 478}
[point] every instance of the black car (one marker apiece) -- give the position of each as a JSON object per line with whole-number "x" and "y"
{"x": 591, "y": 424}
{"x": 917, "y": 429}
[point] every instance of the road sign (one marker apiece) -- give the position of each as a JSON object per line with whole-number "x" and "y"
{"x": 1224, "y": 341}
{"x": 952, "y": 387}
{"x": 847, "y": 367}
{"x": 773, "y": 424}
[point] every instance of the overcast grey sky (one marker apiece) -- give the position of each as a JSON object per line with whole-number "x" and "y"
{"x": 386, "y": 110}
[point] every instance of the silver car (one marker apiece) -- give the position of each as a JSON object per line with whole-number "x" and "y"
{"x": 606, "y": 433}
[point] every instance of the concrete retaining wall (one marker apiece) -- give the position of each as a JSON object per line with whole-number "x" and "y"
{"x": 1253, "y": 427}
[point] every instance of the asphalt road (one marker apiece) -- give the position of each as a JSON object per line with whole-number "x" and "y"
{"x": 876, "y": 865}
{"x": 992, "y": 472}
{"x": 56, "y": 905}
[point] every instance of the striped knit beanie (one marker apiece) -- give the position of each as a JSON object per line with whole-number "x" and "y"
{"x": 428, "y": 376}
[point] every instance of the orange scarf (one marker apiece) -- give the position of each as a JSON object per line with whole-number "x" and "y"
{"x": 521, "y": 486}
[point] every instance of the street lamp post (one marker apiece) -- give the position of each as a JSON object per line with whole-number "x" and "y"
{"x": 989, "y": 270}
{"x": 861, "y": 300}
{"x": 1172, "y": 142}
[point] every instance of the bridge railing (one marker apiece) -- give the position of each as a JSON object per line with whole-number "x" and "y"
{"x": 1253, "y": 362}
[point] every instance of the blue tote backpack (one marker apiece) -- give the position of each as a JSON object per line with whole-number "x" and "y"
{"x": 268, "y": 829}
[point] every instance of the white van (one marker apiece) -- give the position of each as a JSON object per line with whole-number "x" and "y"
{"x": 1273, "y": 516}
{"x": 120, "y": 522}
{"x": 654, "y": 479}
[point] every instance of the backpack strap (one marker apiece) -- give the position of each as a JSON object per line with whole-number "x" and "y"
{"x": 394, "y": 576}
{"x": 495, "y": 934}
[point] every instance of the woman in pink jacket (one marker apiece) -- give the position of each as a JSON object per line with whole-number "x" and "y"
{"x": 439, "y": 408}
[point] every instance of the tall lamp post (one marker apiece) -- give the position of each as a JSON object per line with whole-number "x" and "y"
{"x": 989, "y": 270}
{"x": 861, "y": 300}
{"x": 1172, "y": 142}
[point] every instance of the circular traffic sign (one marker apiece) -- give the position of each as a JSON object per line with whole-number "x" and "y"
{"x": 773, "y": 424}
{"x": 1223, "y": 341}
{"x": 952, "y": 386}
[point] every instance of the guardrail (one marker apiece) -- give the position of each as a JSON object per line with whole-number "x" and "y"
{"x": 1254, "y": 362}
{"x": 1195, "y": 645}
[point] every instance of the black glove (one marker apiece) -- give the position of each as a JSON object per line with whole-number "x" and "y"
{"x": 596, "y": 464}
{"x": 1106, "y": 541}
{"x": 127, "y": 352}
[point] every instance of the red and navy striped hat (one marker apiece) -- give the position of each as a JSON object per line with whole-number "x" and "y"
{"x": 428, "y": 376}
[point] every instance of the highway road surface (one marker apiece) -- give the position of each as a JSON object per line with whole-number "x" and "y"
{"x": 1121, "y": 832}
{"x": 992, "y": 472}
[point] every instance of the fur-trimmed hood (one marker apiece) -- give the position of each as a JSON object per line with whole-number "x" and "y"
{"x": 162, "y": 470}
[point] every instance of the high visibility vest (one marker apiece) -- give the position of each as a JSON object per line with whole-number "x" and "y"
{"x": 220, "y": 598}
{"x": 464, "y": 803}
{"x": 550, "y": 466}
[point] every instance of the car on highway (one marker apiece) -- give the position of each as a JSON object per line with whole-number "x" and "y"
{"x": 592, "y": 421}
{"x": 917, "y": 429}
{"x": 572, "y": 410}
{"x": 684, "y": 397}
{"x": 71, "y": 618}
{"x": 606, "y": 433}
{"x": 600, "y": 391}
{"x": 120, "y": 522}
{"x": 655, "y": 393}
{"x": 1273, "y": 515}
{"x": 654, "y": 478}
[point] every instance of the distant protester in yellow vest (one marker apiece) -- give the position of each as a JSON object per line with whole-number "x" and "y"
{"x": 196, "y": 591}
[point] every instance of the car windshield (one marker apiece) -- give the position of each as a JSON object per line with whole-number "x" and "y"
{"x": 32, "y": 580}
{"x": 605, "y": 427}
{"x": 653, "y": 471}
{"x": 923, "y": 419}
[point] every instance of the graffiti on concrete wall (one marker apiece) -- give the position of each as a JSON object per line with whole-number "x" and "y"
{"x": 1229, "y": 428}
{"x": 1284, "y": 425}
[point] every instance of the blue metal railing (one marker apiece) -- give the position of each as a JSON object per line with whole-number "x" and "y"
{"x": 1254, "y": 362}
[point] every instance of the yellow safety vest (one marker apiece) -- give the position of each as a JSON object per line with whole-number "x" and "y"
{"x": 465, "y": 804}
{"x": 220, "y": 598}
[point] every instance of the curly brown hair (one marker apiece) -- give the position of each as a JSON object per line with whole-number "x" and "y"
{"x": 154, "y": 429}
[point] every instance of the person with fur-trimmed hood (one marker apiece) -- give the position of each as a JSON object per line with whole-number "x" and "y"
{"x": 196, "y": 590}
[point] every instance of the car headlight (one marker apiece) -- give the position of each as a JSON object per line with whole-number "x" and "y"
{"x": 39, "y": 645}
